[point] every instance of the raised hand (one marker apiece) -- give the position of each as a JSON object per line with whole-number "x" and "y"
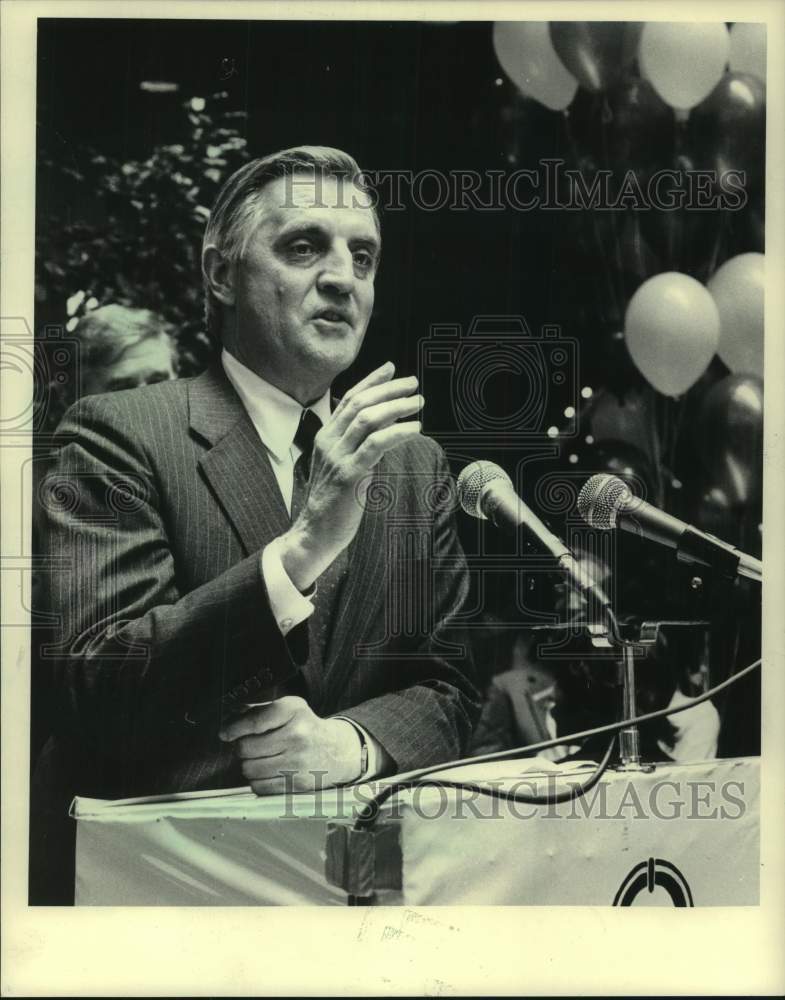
{"x": 366, "y": 423}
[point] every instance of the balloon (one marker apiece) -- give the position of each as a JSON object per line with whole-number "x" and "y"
{"x": 684, "y": 60}
{"x": 728, "y": 130}
{"x": 641, "y": 127}
{"x": 526, "y": 55}
{"x": 730, "y": 435}
{"x": 627, "y": 420}
{"x": 748, "y": 49}
{"x": 672, "y": 326}
{"x": 685, "y": 239}
{"x": 737, "y": 288}
{"x": 715, "y": 513}
{"x": 637, "y": 258}
{"x": 631, "y": 129}
{"x": 625, "y": 461}
{"x": 596, "y": 52}
{"x": 751, "y": 232}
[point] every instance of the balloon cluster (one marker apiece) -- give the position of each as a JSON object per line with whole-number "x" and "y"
{"x": 683, "y": 61}
{"x": 686, "y": 280}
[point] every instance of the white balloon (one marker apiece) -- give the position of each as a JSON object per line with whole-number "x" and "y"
{"x": 684, "y": 61}
{"x": 748, "y": 49}
{"x": 529, "y": 59}
{"x": 737, "y": 287}
{"x": 671, "y": 328}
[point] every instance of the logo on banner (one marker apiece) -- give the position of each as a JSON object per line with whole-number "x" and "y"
{"x": 650, "y": 875}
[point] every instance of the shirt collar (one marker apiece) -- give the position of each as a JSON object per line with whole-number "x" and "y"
{"x": 275, "y": 415}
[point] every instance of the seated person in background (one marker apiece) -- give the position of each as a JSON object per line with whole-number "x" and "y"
{"x": 696, "y": 729}
{"x": 588, "y": 694}
{"x": 519, "y": 702}
{"x": 539, "y": 697}
{"x": 122, "y": 348}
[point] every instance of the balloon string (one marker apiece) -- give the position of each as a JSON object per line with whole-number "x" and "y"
{"x": 605, "y": 268}
{"x": 666, "y": 436}
{"x": 606, "y": 117}
{"x": 656, "y": 439}
{"x": 718, "y": 240}
{"x": 678, "y": 405}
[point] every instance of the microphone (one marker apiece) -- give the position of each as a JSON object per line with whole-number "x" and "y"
{"x": 486, "y": 492}
{"x": 607, "y": 502}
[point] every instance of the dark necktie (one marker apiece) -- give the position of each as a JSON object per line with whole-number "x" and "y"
{"x": 307, "y": 430}
{"x": 330, "y": 582}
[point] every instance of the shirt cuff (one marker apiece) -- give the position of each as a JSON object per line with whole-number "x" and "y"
{"x": 375, "y": 755}
{"x": 288, "y": 604}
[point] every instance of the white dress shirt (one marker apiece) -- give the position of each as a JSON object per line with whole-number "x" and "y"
{"x": 697, "y": 731}
{"x": 276, "y": 417}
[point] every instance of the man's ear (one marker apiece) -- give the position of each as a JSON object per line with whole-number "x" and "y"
{"x": 220, "y": 274}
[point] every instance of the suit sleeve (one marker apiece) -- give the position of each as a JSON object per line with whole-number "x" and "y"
{"x": 430, "y": 711}
{"x": 495, "y": 730}
{"x": 137, "y": 662}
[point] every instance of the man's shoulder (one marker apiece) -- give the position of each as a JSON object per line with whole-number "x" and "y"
{"x": 150, "y": 400}
{"x": 128, "y": 412}
{"x": 159, "y": 394}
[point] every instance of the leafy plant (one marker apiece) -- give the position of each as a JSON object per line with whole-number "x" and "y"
{"x": 131, "y": 231}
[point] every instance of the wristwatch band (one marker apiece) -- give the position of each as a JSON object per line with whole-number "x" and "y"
{"x": 363, "y": 753}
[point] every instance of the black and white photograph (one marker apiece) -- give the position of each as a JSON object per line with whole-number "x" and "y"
{"x": 385, "y": 476}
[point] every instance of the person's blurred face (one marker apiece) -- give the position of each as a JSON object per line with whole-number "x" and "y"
{"x": 150, "y": 360}
{"x": 304, "y": 288}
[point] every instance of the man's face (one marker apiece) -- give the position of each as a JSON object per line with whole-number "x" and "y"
{"x": 151, "y": 360}
{"x": 304, "y": 287}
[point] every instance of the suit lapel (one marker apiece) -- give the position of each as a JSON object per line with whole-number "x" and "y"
{"x": 238, "y": 471}
{"x": 236, "y": 467}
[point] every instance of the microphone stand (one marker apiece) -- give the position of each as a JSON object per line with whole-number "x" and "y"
{"x": 629, "y": 738}
{"x": 611, "y": 637}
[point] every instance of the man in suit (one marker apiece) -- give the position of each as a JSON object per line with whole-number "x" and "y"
{"x": 252, "y": 579}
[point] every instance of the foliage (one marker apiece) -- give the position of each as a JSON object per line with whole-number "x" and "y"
{"x": 130, "y": 231}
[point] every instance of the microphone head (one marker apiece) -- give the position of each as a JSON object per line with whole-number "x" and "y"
{"x": 601, "y": 499}
{"x": 472, "y": 483}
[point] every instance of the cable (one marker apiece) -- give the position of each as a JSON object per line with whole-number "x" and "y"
{"x": 370, "y": 811}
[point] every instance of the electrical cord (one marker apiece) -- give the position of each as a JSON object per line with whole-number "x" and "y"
{"x": 370, "y": 811}
{"x": 369, "y": 814}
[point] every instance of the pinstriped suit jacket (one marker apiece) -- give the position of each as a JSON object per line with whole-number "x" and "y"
{"x": 156, "y": 512}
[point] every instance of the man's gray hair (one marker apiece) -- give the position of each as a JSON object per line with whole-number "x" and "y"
{"x": 233, "y": 218}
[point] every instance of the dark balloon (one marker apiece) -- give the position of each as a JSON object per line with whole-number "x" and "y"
{"x": 596, "y": 52}
{"x": 746, "y": 229}
{"x": 626, "y": 421}
{"x": 730, "y": 437}
{"x": 715, "y": 513}
{"x": 641, "y": 127}
{"x": 686, "y": 239}
{"x": 619, "y": 458}
{"x": 638, "y": 260}
{"x": 727, "y": 131}
{"x": 628, "y": 129}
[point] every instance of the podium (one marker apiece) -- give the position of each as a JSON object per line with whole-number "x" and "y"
{"x": 681, "y": 835}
